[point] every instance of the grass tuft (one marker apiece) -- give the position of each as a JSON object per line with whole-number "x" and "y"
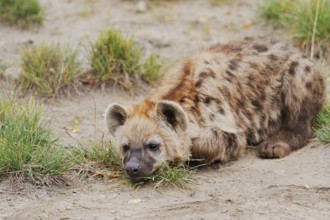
{"x": 118, "y": 59}
{"x": 299, "y": 17}
{"x": 21, "y": 12}
{"x": 176, "y": 175}
{"x": 27, "y": 146}
{"x": 102, "y": 160}
{"x": 322, "y": 124}
{"x": 47, "y": 69}
{"x": 99, "y": 160}
{"x": 152, "y": 68}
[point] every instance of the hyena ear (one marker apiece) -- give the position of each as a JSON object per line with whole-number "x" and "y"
{"x": 173, "y": 114}
{"x": 115, "y": 117}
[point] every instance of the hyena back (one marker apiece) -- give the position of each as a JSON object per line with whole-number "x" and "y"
{"x": 213, "y": 104}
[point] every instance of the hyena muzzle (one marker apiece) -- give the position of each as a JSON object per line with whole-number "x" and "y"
{"x": 215, "y": 103}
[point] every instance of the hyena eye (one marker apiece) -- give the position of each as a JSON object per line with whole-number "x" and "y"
{"x": 125, "y": 148}
{"x": 153, "y": 147}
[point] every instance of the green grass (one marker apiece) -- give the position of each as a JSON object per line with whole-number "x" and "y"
{"x": 21, "y": 12}
{"x": 98, "y": 159}
{"x": 118, "y": 59}
{"x": 102, "y": 160}
{"x": 2, "y": 70}
{"x": 27, "y": 146}
{"x": 180, "y": 176}
{"x": 299, "y": 17}
{"x": 322, "y": 124}
{"x": 47, "y": 69}
{"x": 152, "y": 68}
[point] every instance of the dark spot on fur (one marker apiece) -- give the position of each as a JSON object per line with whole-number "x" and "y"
{"x": 197, "y": 99}
{"x": 221, "y": 110}
{"x": 207, "y": 100}
{"x": 198, "y": 83}
{"x": 256, "y": 104}
{"x": 212, "y": 116}
{"x": 250, "y": 136}
{"x": 183, "y": 99}
{"x": 233, "y": 64}
{"x": 261, "y": 133}
{"x": 293, "y": 66}
{"x": 209, "y": 73}
{"x": 225, "y": 91}
{"x": 260, "y": 47}
{"x": 228, "y": 79}
{"x": 231, "y": 140}
{"x": 307, "y": 69}
{"x": 272, "y": 57}
{"x": 308, "y": 85}
{"x": 272, "y": 123}
{"x": 230, "y": 73}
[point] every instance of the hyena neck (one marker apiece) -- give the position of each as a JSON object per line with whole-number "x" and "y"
{"x": 179, "y": 85}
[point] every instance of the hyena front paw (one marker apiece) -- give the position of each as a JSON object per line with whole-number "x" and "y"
{"x": 270, "y": 149}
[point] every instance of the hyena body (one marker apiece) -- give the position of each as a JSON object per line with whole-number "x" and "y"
{"x": 214, "y": 104}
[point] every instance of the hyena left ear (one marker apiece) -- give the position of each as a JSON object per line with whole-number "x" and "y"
{"x": 115, "y": 117}
{"x": 173, "y": 113}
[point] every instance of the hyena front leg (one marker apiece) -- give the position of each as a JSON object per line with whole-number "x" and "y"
{"x": 215, "y": 145}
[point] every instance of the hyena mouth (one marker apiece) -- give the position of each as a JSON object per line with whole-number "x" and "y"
{"x": 137, "y": 171}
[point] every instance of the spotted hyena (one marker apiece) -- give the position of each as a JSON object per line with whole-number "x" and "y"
{"x": 215, "y": 103}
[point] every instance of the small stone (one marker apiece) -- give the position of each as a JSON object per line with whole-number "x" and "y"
{"x": 13, "y": 73}
{"x": 141, "y": 7}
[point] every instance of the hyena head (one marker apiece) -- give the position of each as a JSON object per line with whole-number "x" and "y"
{"x": 148, "y": 135}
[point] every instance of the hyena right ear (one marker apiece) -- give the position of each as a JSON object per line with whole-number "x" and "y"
{"x": 173, "y": 114}
{"x": 115, "y": 116}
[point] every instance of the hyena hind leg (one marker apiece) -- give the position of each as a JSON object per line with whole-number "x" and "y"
{"x": 282, "y": 143}
{"x": 302, "y": 98}
{"x": 295, "y": 132}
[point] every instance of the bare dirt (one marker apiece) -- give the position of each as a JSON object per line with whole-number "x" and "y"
{"x": 295, "y": 187}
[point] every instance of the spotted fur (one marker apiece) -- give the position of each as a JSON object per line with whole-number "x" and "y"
{"x": 228, "y": 96}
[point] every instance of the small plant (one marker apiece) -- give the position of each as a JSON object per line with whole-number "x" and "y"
{"x": 322, "y": 124}
{"x": 21, "y": 12}
{"x": 309, "y": 21}
{"x": 99, "y": 160}
{"x": 27, "y": 146}
{"x": 47, "y": 69}
{"x": 276, "y": 11}
{"x": 102, "y": 160}
{"x": 117, "y": 59}
{"x": 152, "y": 68}
{"x": 176, "y": 175}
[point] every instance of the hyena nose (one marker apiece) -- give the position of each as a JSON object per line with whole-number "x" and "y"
{"x": 132, "y": 168}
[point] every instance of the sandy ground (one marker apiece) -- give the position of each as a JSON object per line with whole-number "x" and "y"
{"x": 295, "y": 187}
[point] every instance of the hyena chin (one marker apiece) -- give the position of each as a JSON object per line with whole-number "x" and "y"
{"x": 213, "y": 104}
